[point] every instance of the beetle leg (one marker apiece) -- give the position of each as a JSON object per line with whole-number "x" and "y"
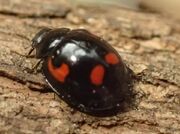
{"x": 30, "y": 51}
{"x": 35, "y": 67}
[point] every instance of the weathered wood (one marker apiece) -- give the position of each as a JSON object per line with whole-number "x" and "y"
{"x": 149, "y": 44}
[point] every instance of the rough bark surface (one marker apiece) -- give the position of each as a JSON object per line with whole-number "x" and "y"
{"x": 149, "y": 44}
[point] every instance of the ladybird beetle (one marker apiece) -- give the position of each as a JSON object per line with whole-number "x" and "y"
{"x": 83, "y": 69}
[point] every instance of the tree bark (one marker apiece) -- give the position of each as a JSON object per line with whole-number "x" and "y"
{"x": 148, "y": 42}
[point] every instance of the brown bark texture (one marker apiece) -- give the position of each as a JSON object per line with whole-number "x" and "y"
{"x": 149, "y": 43}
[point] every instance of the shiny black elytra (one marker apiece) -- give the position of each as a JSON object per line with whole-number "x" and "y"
{"x": 84, "y": 70}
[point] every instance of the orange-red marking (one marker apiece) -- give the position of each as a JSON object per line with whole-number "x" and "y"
{"x": 111, "y": 58}
{"x": 97, "y": 75}
{"x": 60, "y": 73}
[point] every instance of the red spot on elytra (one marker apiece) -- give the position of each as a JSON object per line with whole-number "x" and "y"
{"x": 59, "y": 73}
{"x": 97, "y": 75}
{"x": 111, "y": 58}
